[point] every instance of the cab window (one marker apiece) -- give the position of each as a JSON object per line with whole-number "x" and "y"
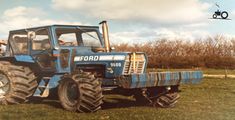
{"x": 77, "y": 36}
{"x": 19, "y": 43}
{"x": 41, "y": 42}
{"x": 91, "y": 39}
{"x": 67, "y": 39}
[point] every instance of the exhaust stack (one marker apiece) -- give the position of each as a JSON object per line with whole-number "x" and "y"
{"x": 105, "y": 35}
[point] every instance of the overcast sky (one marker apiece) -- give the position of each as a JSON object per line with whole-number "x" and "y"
{"x": 131, "y": 21}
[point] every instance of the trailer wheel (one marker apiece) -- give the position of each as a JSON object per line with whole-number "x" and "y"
{"x": 224, "y": 14}
{"x": 17, "y": 83}
{"x": 140, "y": 98}
{"x": 166, "y": 100}
{"x": 81, "y": 92}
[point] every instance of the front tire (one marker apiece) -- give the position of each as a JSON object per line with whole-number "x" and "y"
{"x": 81, "y": 92}
{"x": 66, "y": 88}
{"x": 17, "y": 83}
{"x": 214, "y": 16}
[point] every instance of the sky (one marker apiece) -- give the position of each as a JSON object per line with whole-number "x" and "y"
{"x": 130, "y": 21}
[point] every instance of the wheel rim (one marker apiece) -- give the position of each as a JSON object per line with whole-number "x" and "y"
{"x": 72, "y": 92}
{"x": 214, "y": 16}
{"x": 224, "y": 15}
{"x": 4, "y": 85}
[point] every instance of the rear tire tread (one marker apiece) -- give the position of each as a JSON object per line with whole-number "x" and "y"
{"x": 22, "y": 83}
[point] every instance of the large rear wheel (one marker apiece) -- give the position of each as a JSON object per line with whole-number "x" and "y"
{"x": 224, "y": 15}
{"x": 81, "y": 92}
{"x": 17, "y": 83}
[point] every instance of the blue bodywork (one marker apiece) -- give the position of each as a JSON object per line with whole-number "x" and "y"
{"x": 162, "y": 79}
{"x": 24, "y": 58}
{"x": 152, "y": 79}
{"x": 115, "y": 66}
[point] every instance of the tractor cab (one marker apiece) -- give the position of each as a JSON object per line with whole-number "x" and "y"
{"x": 54, "y": 47}
{"x": 60, "y": 49}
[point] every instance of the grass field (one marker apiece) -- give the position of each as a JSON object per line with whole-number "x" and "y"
{"x": 213, "y": 99}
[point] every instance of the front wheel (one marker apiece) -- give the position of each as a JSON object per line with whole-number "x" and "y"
{"x": 80, "y": 92}
{"x": 68, "y": 94}
{"x": 214, "y": 16}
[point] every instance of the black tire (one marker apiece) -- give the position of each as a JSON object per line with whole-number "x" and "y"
{"x": 214, "y": 16}
{"x": 140, "y": 98}
{"x": 224, "y": 15}
{"x": 18, "y": 83}
{"x": 88, "y": 93}
{"x": 158, "y": 96}
{"x": 166, "y": 100}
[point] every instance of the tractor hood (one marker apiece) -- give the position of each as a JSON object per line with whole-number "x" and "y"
{"x": 112, "y": 56}
{"x": 115, "y": 63}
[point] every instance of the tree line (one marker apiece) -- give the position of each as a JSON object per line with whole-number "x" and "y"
{"x": 216, "y": 52}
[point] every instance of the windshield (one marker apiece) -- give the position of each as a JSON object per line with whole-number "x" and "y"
{"x": 76, "y": 36}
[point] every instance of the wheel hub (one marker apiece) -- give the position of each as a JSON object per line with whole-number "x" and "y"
{"x": 4, "y": 85}
{"x": 72, "y": 92}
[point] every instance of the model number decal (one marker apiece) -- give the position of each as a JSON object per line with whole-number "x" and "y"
{"x": 115, "y": 64}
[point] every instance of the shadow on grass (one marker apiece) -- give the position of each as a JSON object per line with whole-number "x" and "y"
{"x": 119, "y": 103}
{"x": 47, "y": 101}
{"x": 110, "y": 103}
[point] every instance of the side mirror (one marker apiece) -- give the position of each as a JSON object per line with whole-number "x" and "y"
{"x": 31, "y": 35}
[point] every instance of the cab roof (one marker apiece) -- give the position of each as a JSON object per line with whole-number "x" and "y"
{"x": 51, "y": 26}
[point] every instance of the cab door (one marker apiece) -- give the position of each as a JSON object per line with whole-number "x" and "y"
{"x": 67, "y": 39}
{"x": 41, "y": 51}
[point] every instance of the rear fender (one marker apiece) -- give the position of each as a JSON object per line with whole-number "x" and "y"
{"x": 18, "y": 58}
{"x": 24, "y": 58}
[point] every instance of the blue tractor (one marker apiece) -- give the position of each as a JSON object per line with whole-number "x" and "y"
{"x": 79, "y": 62}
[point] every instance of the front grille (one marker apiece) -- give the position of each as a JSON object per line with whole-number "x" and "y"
{"x": 134, "y": 63}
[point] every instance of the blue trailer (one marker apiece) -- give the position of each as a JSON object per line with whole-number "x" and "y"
{"x": 79, "y": 62}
